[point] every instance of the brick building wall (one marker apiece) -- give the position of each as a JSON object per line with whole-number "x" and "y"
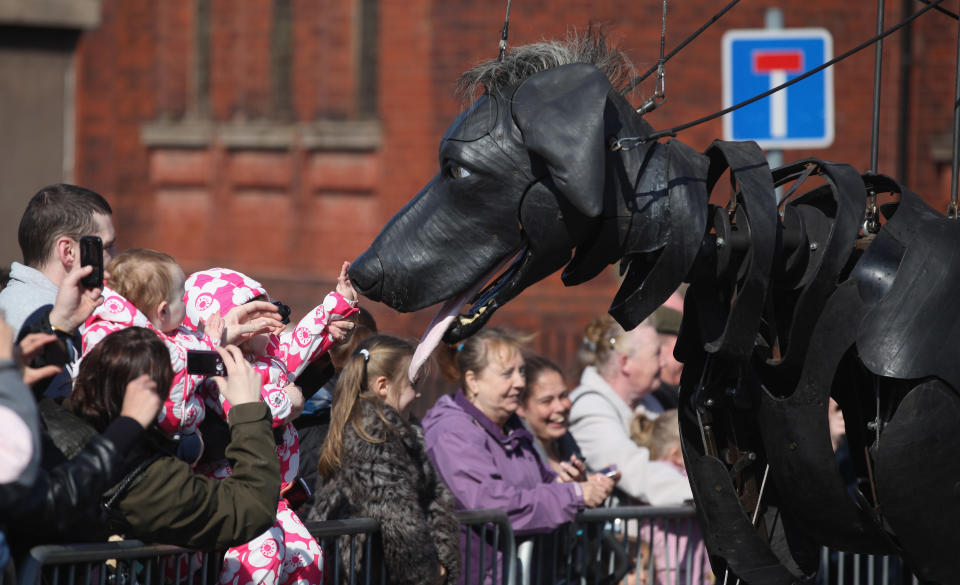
{"x": 278, "y": 136}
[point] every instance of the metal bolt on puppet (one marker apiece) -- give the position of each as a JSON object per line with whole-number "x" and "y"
{"x": 789, "y": 304}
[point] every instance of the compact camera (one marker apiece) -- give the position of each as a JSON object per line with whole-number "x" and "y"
{"x": 203, "y": 362}
{"x": 284, "y": 311}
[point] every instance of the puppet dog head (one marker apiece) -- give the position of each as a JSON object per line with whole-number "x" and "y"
{"x": 526, "y": 177}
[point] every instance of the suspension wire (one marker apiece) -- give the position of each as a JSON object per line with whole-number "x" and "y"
{"x": 952, "y": 209}
{"x": 503, "y": 33}
{"x": 631, "y": 142}
{"x": 660, "y": 90}
{"x": 638, "y": 79}
{"x": 943, "y": 10}
{"x": 877, "y": 75}
{"x": 870, "y": 222}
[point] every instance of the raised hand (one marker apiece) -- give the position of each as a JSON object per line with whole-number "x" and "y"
{"x": 142, "y": 400}
{"x": 345, "y": 287}
{"x": 572, "y": 470}
{"x": 74, "y": 301}
{"x": 244, "y": 321}
{"x": 213, "y": 327}
{"x": 30, "y": 347}
{"x": 242, "y": 383}
{"x": 340, "y": 331}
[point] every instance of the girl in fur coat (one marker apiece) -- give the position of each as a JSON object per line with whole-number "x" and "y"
{"x": 374, "y": 465}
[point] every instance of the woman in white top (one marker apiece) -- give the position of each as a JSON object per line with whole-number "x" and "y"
{"x": 621, "y": 374}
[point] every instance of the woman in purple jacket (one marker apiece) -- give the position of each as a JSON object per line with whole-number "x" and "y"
{"x": 484, "y": 453}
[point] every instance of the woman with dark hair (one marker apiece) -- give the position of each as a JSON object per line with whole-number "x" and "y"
{"x": 545, "y": 410}
{"x": 162, "y": 500}
{"x": 101, "y": 383}
{"x": 373, "y": 464}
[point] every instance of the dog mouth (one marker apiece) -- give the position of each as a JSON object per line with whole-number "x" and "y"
{"x": 451, "y": 326}
{"x": 483, "y": 304}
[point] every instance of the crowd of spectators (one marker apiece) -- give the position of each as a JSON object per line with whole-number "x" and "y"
{"x": 104, "y": 417}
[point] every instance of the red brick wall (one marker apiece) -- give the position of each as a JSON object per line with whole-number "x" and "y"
{"x": 289, "y": 215}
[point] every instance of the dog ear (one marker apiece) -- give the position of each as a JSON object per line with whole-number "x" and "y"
{"x": 560, "y": 114}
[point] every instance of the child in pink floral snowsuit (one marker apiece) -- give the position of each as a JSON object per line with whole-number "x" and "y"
{"x": 280, "y": 554}
{"x": 146, "y": 290}
{"x": 149, "y": 293}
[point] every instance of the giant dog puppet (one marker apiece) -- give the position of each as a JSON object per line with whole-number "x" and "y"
{"x": 787, "y": 307}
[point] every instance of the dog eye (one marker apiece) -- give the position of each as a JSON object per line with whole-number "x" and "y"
{"x": 458, "y": 172}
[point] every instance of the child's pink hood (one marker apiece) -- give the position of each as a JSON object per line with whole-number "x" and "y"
{"x": 217, "y": 289}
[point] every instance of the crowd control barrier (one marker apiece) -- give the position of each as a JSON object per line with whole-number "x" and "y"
{"x": 131, "y": 562}
{"x": 126, "y": 562}
{"x": 631, "y": 545}
{"x": 643, "y": 545}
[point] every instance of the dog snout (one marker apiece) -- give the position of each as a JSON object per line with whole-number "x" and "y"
{"x": 366, "y": 273}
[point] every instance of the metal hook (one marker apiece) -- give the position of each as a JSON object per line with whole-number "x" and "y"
{"x": 658, "y": 97}
{"x": 871, "y": 221}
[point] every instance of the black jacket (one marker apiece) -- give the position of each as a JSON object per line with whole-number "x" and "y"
{"x": 77, "y": 467}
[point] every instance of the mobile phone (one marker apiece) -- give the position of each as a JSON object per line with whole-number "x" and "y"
{"x": 54, "y": 354}
{"x": 297, "y": 493}
{"x": 91, "y": 254}
{"x": 204, "y": 362}
{"x": 611, "y": 471}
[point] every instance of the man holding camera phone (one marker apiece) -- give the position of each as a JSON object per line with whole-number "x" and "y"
{"x": 55, "y": 220}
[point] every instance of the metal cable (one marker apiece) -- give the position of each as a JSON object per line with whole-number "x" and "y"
{"x": 943, "y": 10}
{"x": 637, "y": 80}
{"x": 504, "y": 32}
{"x": 877, "y": 75}
{"x": 627, "y": 143}
{"x": 952, "y": 209}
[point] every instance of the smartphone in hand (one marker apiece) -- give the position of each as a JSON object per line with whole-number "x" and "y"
{"x": 91, "y": 254}
{"x": 54, "y": 353}
{"x": 203, "y": 362}
{"x": 611, "y": 471}
{"x": 297, "y": 493}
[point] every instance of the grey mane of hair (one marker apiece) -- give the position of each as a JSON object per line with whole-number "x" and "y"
{"x": 525, "y": 60}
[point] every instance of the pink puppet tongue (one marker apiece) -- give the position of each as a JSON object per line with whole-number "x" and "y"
{"x": 442, "y": 320}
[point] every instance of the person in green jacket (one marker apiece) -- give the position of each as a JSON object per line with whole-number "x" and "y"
{"x": 162, "y": 500}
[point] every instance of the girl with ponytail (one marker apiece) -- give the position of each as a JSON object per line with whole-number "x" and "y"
{"x": 374, "y": 465}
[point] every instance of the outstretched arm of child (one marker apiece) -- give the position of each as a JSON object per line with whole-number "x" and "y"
{"x": 326, "y": 325}
{"x": 339, "y": 331}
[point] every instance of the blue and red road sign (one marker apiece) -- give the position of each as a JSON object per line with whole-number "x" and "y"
{"x": 756, "y": 60}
